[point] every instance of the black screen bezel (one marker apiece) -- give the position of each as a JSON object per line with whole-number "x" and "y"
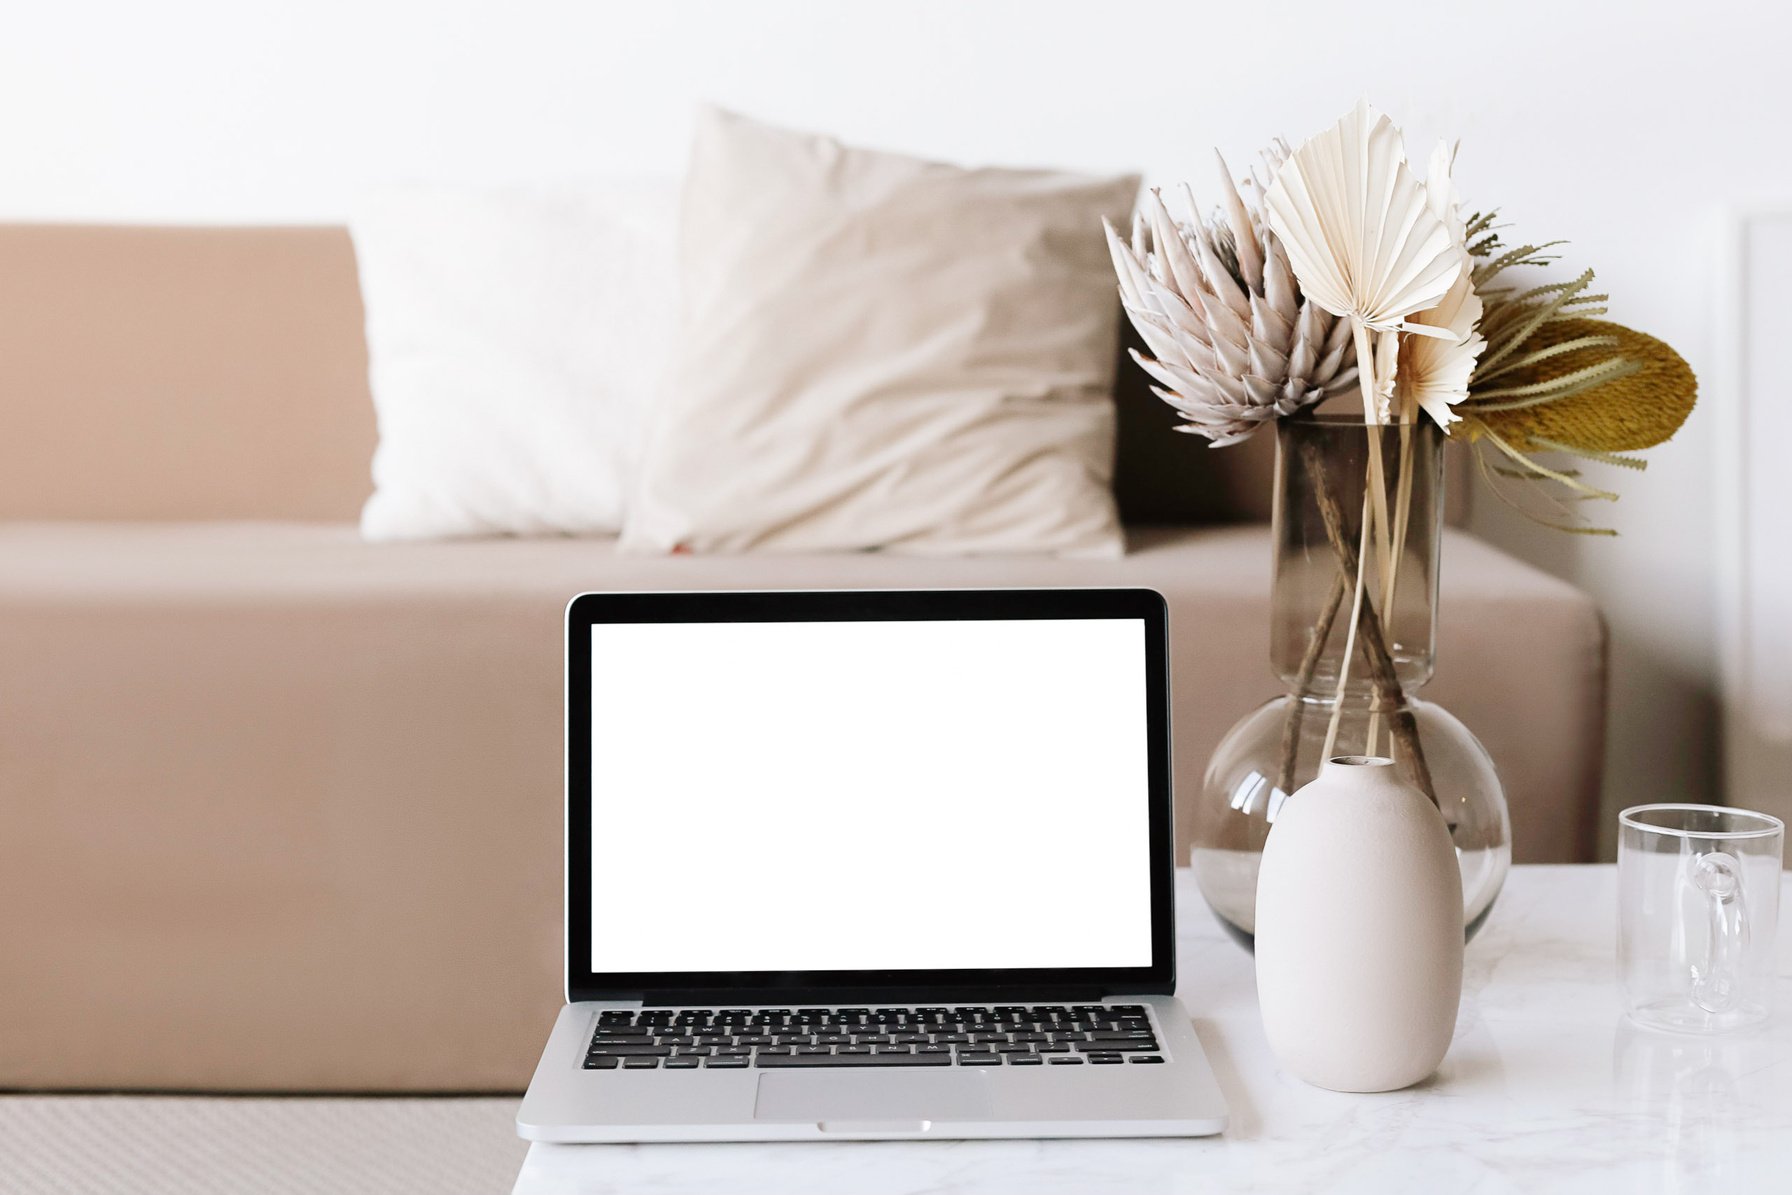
{"x": 1145, "y": 605}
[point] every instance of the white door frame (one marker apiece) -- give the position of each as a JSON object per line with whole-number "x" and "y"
{"x": 1753, "y": 401}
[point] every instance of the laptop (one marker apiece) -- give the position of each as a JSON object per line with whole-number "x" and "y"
{"x": 872, "y": 865}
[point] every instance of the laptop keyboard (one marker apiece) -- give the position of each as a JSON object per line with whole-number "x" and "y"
{"x": 960, "y": 1035}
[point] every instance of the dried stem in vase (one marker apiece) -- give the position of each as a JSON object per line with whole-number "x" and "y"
{"x": 1309, "y": 664}
{"x": 1389, "y": 694}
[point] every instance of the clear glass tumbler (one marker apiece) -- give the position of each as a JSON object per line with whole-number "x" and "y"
{"x": 1698, "y": 900}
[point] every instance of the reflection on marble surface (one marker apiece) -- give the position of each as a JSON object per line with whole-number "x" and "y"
{"x": 1546, "y": 1088}
{"x": 1707, "y": 1099}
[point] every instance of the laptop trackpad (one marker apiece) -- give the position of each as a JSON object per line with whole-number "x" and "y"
{"x": 842, "y": 1099}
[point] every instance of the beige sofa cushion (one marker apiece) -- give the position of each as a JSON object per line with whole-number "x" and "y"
{"x": 181, "y": 373}
{"x": 283, "y": 807}
{"x": 882, "y": 352}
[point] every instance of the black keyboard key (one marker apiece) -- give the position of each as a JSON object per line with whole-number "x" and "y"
{"x": 1025, "y": 1060}
{"x": 616, "y": 1016}
{"x": 695, "y": 1051}
{"x": 933, "y": 1049}
{"x": 1145, "y": 1058}
{"x": 602, "y": 1062}
{"x": 1134, "y": 1010}
{"x": 871, "y": 1039}
{"x": 832, "y": 1039}
{"x": 978, "y": 1059}
{"x": 777, "y": 1050}
{"x": 881, "y": 1050}
{"x": 683, "y": 1062}
{"x": 1110, "y": 1047}
{"x": 957, "y": 1039}
{"x": 732, "y": 1051}
{"x": 911, "y": 1039}
{"x": 1017, "y": 1048}
{"x": 640, "y": 1064}
{"x": 796, "y": 1039}
{"x": 1105, "y": 1059}
{"x": 800, "y": 1060}
{"x": 1067, "y": 1060}
{"x": 624, "y": 1031}
{"x": 729, "y": 1063}
{"x": 755, "y": 1039}
{"x": 986, "y": 1038}
{"x": 815, "y": 1049}
{"x": 632, "y": 1050}
{"x": 1051, "y": 1048}
{"x": 853, "y": 1050}
{"x": 1121, "y": 1035}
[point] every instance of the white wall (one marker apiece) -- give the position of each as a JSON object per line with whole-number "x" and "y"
{"x": 1626, "y": 128}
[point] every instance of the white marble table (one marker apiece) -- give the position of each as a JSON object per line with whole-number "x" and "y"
{"x": 1547, "y": 1088}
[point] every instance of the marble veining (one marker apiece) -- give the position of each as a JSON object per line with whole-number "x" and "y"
{"x": 1547, "y": 1088}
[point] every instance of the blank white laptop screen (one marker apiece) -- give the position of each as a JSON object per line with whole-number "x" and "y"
{"x": 919, "y": 795}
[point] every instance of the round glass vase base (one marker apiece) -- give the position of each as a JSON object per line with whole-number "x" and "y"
{"x": 1243, "y": 792}
{"x": 1248, "y": 940}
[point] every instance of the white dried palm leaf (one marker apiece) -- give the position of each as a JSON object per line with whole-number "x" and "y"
{"x": 1359, "y": 231}
{"x": 1440, "y": 193}
{"x": 1233, "y": 343}
{"x": 1434, "y": 373}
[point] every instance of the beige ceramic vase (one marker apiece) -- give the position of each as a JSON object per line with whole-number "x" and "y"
{"x": 1359, "y": 930}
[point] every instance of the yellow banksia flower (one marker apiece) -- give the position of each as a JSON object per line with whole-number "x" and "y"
{"x": 1638, "y": 408}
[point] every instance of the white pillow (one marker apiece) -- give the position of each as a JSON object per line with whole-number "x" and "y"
{"x": 882, "y": 352}
{"x": 515, "y": 339}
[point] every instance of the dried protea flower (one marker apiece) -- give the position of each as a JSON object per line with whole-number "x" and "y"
{"x": 1234, "y": 343}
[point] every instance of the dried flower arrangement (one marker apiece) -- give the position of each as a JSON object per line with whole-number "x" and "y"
{"x": 1339, "y": 269}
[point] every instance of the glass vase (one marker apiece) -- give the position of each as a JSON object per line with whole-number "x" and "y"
{"x": 1357, "y": 524}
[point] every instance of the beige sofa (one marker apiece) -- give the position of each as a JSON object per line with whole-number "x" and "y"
{"x": 282, "y": 808}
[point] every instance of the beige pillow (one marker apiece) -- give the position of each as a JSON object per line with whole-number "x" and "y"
{"x": 882, "y": 352}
